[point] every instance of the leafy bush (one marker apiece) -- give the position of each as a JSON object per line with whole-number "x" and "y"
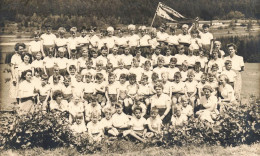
{"x": 239, "y": 125}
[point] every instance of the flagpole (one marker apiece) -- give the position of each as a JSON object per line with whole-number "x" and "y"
{"x": 155, "y": 13}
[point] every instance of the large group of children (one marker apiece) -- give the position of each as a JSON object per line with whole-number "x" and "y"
{"x": 126, "y": 84}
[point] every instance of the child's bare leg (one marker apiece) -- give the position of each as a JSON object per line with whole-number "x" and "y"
{"x": 133, "y": 133}
{"x": 174, "y": 102}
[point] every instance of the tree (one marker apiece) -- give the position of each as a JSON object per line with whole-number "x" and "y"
{"x": 235, "y": 15}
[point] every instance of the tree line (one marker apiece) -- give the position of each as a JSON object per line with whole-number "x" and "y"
{"x": 98, "y": 12}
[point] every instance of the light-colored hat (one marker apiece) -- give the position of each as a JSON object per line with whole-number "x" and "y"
{"x": 73, "y": 29}
{"x": 61, "y": 29}
{"x": 185, "y": 26}
{"x": 131, "y": 27}
{"x": 110, "y": 29}
{"x": 208, "y": 87}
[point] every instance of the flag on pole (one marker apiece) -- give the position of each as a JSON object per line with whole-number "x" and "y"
{"x": 168, "y": 13}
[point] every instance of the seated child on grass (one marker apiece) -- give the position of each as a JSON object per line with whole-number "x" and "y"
{"x": 186, "y": 108}
{"x": 154, "y": 123}
{"x": 137, "y": 125}
{"x": 178, "y": 120}
{"x": 92, "y": 107}
{"x": 79, "y": 125}
{"x": 95, "y": 129}
{"x": 108, "y": 123}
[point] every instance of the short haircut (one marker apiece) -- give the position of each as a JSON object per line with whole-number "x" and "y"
{"x": 122, "y": 76}
{"x": 232, "y": 45}
{"x": 173, "y": 59}
{"x": 17, "y": 45}
{"x": 132, "y": 77}
{"x": 158, "y": 85}
{"x": 228, "y": 62}
{"x": 99, "y": 76}
{"x": 138, "y": 108}
{"x": 144, "y": 77}
{"x": 155, "y": 76}
{"x": 72, "y": 67}
{"x": 67, "y": 77}
{"x": 45, "y": 77}
{"x": 56, "y": 94}
{"x": 147, "y": 62}
{"x": 190, "y": 72}
{"x": 178, "y": 74}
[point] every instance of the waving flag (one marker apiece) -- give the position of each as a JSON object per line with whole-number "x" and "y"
{"x": 168, "y": 13}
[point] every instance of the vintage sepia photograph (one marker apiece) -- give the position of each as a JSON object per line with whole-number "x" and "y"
{"x": 130, "y": 77}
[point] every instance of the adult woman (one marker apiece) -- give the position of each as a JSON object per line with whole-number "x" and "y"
{"x": 26, "y": 64}
{"x": 208, "y": 105}
{"x": 26, "y": 93}
{"x": 162, "y": 102}
{"x": 58, "y": 103}
{"x": 237, "y": 66}
{"x": 226, "y": 92}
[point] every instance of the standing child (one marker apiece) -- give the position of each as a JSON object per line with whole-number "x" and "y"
{"x": 113, "y": 57}
{"x": 144, "y": 90}
{"x": 62, "y": 61}
{"x": 100, "y": 69}
{"x": 191, "y": 59}
{"x": 88, "y": 69}
{"x": 92, "y": 107}
{"x": 89, "y": 88}
{"x": 201, "y": 84}
{"x": 78, "y": 86}
{"x": 85, "y": 57}
{"x": 38, "y": 63}
{"x": 186, "y": 109}
{"x": 136, "y": 69}
{"x": 103, "y": 56}
{"x": 56, "y": 85}
{"x": 184, "y": 71}
{"x": 100, "y": 87}
{"x": 160, "y": 67}
{"x": 172, "y": 69}
{"x": 94, "y": 57}
{"x": 111, "y": 89}
{"x": 76, "y": 107}
{"x": 147, "y": 70}
{"x": 67, "y": 89}
{"x": 217, "y": 46}
{"x": 167, "y": 57}
{"x": 181, "y": 57}
{"x": 122, "y": 89}
{"x": 178, "y": 89}
{"x": 132, "y": 92}
{"x": 49, "y": 62}
{"x": 127, "y": 58}
{"x": 35, "y": 46}
{"x": 121, "y": 69}
{"x": 197, "y": 71}
{"x": 231, "y": 74}
{"x": 43, "y": 92}
{"x": 195, "y": 42}
{"x": 203, "y": 61}
{"x": 191, "y": 87}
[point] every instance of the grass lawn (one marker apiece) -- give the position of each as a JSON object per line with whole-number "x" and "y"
{"x": 243, "y": 150}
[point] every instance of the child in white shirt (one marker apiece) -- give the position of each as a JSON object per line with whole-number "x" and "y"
{"x": 100, "y": 89}
{"x": 203, "y": 61}
{"x": 136, "y": 69}
{"x": 79, "y": 125}
{"x": 178, "y": 119}
{"x": 191, "y": 87}
{"x": 91, "y": 107}
{"x": 154, "y": 123}
{"x": 121, "y": 69}
{"x": 138, "y": 125}
{"x": 88, "y": 88}
{"x": 76, "y": 107}
{"x": 111, "y": 89}
{"x": 197, "y": 71}
{"x": 144, "y": 89}
{"x": 49, "y": 62}
{"x": 172, "y": 69}
{"x": 108, "y": 123}
{"x": 231, "y": 74}
{"x": 178, "y": 89}
{"x": 186, "y": 108}
{"x": 67, "y": 89}
{"x": 95, "y": 129}
{"x": 120, "y": 120}
{"x": 38, "y": 63}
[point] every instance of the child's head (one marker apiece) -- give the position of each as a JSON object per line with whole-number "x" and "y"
{"x": 76, "y": 99}
{"x": 228, "y": 64}
{"x": 184, "y": 101}
{"x": 122, "y": 78}
{"x": 99, "y": 78}
{"x": 38, "y": 55}
{"x": 197, "y": 67}
{"x": 111, "y": 78}
{"x": 144, "y": 79}
{"x": 93, "y": 101}
{"x": 136, "y": 62}
{"x": 181, "y": 49}
{"x": 89, "y": 63}
{"x": 168, "y": 51}
{"x": 177, "y": 111}
{"x": 138, "y": 112}
{"x": 37, "y": 72}
{"x": 44, "y": 79}
{"x": 109, "y": 67}
{"x": 173, "y": 62}
{"x": 155, "y": 77}
{"x": 57, "y": 95}
{"x": 177, "y": 77}
{"x": 138, "y": 53}
{"x": 115, "y": 50}
{"x": 84, "y": 51}
{"x": 164, "y": 76}
{"x": 184, "y": 66}
{"x": 119, "y": 108}
{"x": 79, "y": 118}
{"x": 207, "y": 89}
{"x": 210, "y": 77}
{"x": 108, "y": 113}
{"x": 160, "y": 61}
{"x": 132, "y": 79}
{"x": 215, "y": 54}
{"x": 147, "y": 65}
{"x": 56, "y": 79}
{"x": 205, "y": 28}
{"x": 154, "y": 112}
{"x": 67, "y": 80}
{"x": 121, "y": 64}
{"x": 190, "y": 52}
{"x": 203, "y": 78}
{"x": 104, "y": 51}
{"x": 201, "y": 53}
{"x": 214, "y": 67}
{"x": 72, "y": 69}
{"x": 78, "y": 77}
{"x": 88, "y": 77}
{"x": 194, "y": 33}
{"x": 73, "y": 54}
{"x": 190, "y": 75}
{"x": 232, "y": 49}
{"x": 127, "y": 50}
{"x": 99, "y": 65}
{"x": 56, "y": 70}
{"x": 94, "y": 117}
{"x": 158, "y": 50}
{"x": 217, "y": 45}
{"x": 94, "y": 53}
{"x": 184, "y": 29}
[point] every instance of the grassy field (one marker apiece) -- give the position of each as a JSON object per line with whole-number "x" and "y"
{"x": 243, "y": 150}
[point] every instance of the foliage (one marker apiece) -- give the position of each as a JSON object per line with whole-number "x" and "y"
{"x": 248, "y": 46}
{"x": 95, "y": 12}
{"x": 238, "y": 125}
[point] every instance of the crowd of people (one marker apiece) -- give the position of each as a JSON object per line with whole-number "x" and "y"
{"x": 122, "y": 83}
